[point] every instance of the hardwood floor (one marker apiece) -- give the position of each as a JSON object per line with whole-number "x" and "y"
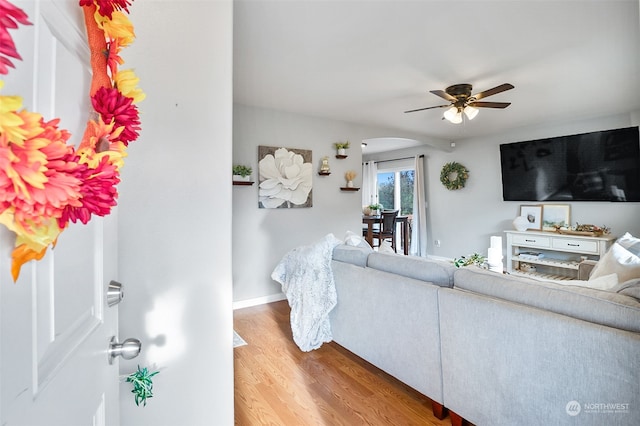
{"x": 278, "y": 384}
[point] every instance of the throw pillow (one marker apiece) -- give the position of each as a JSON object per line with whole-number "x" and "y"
{"x": 385, "y": 247}
{"x": 623, "y": 258}
{"x": 631, "y": 243}
{"x": 355, "y": 240}
{"x": 629, "y": 288}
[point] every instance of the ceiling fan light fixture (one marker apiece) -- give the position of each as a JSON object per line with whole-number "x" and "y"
{"x": 453, "y": 115}
{"x": 470, "y": 112}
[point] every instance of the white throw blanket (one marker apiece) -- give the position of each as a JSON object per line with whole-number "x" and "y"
{"x": 307, "y": 281}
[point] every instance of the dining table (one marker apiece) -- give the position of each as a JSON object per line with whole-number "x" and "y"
{"x": 372, "y": 220}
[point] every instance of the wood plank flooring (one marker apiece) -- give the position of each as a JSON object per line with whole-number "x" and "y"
{"x": 278, "y": 384}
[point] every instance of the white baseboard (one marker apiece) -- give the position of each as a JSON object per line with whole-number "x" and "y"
{"x": 258, "y": 301}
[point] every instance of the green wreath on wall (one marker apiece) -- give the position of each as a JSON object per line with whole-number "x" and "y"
{"x": 454, "y": 175}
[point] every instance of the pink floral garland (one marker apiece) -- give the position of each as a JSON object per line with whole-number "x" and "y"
{"x": 45, "y": 183}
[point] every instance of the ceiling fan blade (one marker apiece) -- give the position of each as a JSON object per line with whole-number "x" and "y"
{"x": 494, "y": 91}
{"x": 490, "y": 104}
{"x": 443, "y": 95}
{"x": 422, "y": 109}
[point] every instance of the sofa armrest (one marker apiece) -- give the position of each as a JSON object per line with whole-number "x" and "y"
{"x": 584, "y": 269}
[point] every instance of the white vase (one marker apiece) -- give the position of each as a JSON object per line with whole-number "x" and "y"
{"x": 521, "y": 223}
{"x": 239, "y": 178}
{"x": 350, "y": 184}
{"x": 342, "y": 151}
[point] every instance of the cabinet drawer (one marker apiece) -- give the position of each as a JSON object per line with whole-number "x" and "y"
{"x": 531, "y": 241}
{"x": 581, "y": 246}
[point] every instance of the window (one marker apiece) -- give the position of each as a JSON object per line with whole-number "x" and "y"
{"x": 395, "y": 186}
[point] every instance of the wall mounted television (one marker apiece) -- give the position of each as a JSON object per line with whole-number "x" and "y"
{"x": 597, "y": 166}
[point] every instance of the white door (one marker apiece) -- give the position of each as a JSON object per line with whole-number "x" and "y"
{"x": 54, "y": 321}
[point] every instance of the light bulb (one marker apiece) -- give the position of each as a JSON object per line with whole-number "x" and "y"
{"x": 470, "y": 112}
{"x": 451, "y": 113}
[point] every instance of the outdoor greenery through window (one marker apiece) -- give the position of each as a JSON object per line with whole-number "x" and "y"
{"x": 395, "y": 190}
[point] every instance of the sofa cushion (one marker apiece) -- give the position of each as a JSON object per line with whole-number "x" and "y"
{"x": 419, "y": 268}
{"x": 605, "y": 282}
{"x": 597, "y": 306}
{"x": 623, "y": 258}
{"x": 350, "y": 254}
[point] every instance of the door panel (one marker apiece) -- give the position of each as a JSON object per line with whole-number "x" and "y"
{"x": 55, "y": 325}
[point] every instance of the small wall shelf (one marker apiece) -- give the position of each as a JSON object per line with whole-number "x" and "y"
{"x": 242, "y": 183}
{"x": 346, "y": 188}
{"x": 341, "y": 157}
{"x": 324, "y": 173}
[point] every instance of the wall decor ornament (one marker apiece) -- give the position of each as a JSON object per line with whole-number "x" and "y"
{"x": 285, "y": 178}
{"x": 324, "y": 167}
{"x": 45, "y": 182}
{"x": 454, "y": 176}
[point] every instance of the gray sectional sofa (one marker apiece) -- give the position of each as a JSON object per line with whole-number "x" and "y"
{"x": 491, "y": 348}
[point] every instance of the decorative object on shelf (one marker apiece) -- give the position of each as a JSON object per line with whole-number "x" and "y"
{"x": 521, "y": 223}
{"x": 533, "y": 216}
{"x": 324, "y": 167}
{"x": 341, "y": 147}
{"x": 350, "y": 176}
{"x": 454, "y": 176}
{"x": 242, "y": 173}
{"x": 527, "y": 267}
{"x": 285, "y": 178}
{"x": 474, "y": 259}
{"x": 556, "y": 217}
{"x": 142, "y": 385}
{"x": 586, "y": 230}
{"x": 48, "y": 182}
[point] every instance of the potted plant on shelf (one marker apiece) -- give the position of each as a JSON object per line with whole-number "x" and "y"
{"x": 342, "y": 147}
{"x": 242, "y": 173}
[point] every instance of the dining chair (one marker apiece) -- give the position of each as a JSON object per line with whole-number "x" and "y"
{"x": 387, "y": 230}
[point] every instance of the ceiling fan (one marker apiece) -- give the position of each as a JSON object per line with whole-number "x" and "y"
{"x": 461, "y": 100}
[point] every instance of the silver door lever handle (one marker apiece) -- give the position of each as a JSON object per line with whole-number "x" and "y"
{"x": 128, "y": 349}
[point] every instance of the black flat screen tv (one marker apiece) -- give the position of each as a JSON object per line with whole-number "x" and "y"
{"x": 597, "y": 166}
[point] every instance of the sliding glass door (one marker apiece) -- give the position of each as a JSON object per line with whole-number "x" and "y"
{"x": 395, "y": 188}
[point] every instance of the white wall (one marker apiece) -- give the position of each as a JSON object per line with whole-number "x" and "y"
{"x": 262, "y": 236}
{"x": 174, "y": 215}
{"x": 464, "y": 220}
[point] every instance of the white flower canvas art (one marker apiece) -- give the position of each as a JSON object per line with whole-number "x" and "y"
{"x": 285, "y": 178}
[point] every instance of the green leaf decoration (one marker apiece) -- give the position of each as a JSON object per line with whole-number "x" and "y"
{"x": 142, "y": 385}
{"x": 454, "y": 176}
{"x": 474, "y": 259}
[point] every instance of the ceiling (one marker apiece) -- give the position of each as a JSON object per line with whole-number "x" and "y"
{"x": 369, "y": 61}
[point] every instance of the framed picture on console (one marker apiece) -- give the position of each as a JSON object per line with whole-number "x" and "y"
{"x": 533, "y": 213}
{"x": 555, "y": 216}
